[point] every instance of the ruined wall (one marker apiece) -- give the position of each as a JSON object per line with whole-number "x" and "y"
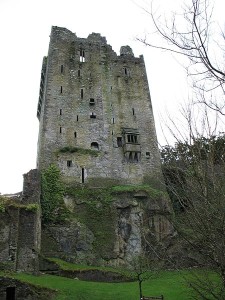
{"x": 91, "y": 98}
{"x": 20, "y": 227}
{"x": 14, "y": 289}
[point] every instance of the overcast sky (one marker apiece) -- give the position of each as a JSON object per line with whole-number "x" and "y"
{"x": 25, "y": 29}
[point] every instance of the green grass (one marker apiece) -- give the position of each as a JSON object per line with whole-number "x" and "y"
{"x": 169, "y": 283}
{"x": 69, "y": 149}
{"x": 64, "y": 265}
{"x": 135, "y": 188}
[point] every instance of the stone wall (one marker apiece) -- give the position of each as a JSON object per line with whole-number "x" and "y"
{"x": 92, "y": 98}
{"x": 14, "y": 289}
{"x": 20, "y": 228}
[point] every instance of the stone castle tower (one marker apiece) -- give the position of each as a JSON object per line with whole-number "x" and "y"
{"x": 95, "y": 112}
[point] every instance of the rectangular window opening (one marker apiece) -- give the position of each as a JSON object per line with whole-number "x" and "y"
{"x": 61, "y": 69}
{"x": 130, "y": 158}
{"x": 78, "y": 73}
{"x": 60, "y": 111}
{"x": 92, "y": 101}
{"x": 131, "y": 138}
{"x": 133, "y": 111}
{"x": 60, "y": 129}
{"x": 119, "y": 141}
{"x": 82, "y": 93}
{"x": 113, "y": 120}
{"x": 82, "y": 175}
{"x": 135, "y": 157}
{"x": 61, "y": 89}
{"x": 69, "y": 163}
{"x": 147, "y": 154}
{"x": 77, "y": 118}
{"x": 82, "y": 55}
{"x": 93, "y": 116}
{"x": 75, "y": 134}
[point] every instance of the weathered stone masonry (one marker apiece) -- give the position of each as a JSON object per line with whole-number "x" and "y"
{"x": 92, "y": 98}
{"x": 20, "y": 228}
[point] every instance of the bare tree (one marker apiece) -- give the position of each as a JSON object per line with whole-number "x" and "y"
{"x": 192, "y": 34}
{"x": 143, "y": 269}
{"x": 194, "y": 171}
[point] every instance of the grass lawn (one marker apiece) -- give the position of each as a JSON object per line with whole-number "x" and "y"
{"x": 168, "y": 283}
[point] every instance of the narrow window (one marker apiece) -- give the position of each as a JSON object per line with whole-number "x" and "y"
{"x": 82, "y": 93}
{"x": 94, "y": 145}
{"x": 69, "y": 163}
{"x": 133, "y": 111}
{"x": 147, "y": 154}
{"x": 125, "y": 71}
{"x": 60, "y": 111}
{"x": 78, "y": 73}
{"x": 92, "y": 101}
{"x": 61, "y": 69}
{"x": 60, "y": 129}
{"x": 119, "y": 141}
{"x": 113, "y": 120}
{"x": 75, "y": 134}
{"x": 130, "y": 157}
{"x": 93, "y": 116}
{"x": 82, "y": 55}
{"x": 11, "y": 293}
{"x": 77, "y": 118}
{"x": 112, "y": 132}
{"x": 135, "y": 157}
{"x": 82, "y": 175}
{"x": 61, "y": 89}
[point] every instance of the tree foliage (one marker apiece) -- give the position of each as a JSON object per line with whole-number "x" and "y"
{"x": 194, "y": 175}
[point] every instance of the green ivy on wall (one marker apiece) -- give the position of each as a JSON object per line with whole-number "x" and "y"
{"x": 52, "y": 191}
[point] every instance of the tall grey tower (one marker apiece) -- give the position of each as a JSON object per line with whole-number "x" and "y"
{"x": 95, "y": 113}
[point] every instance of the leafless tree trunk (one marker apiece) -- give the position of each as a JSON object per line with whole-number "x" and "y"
{"x": 195, "y": 170}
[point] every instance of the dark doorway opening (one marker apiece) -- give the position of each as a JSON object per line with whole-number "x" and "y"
{"x": 11, "y": 293}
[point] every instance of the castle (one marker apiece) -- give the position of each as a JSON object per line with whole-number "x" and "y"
{"x": 97, "y": 126}
{"x": 95, "y": 112}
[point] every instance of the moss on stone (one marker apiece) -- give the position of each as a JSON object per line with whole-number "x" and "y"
{"x": 10, "y": 202}
{"x": 97, "y": 213}
{"x": 152, "y": 192}
{"x": 69, "y": 149}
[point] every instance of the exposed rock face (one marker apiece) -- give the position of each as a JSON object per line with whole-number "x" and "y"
{"x": 109, "y": 233}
